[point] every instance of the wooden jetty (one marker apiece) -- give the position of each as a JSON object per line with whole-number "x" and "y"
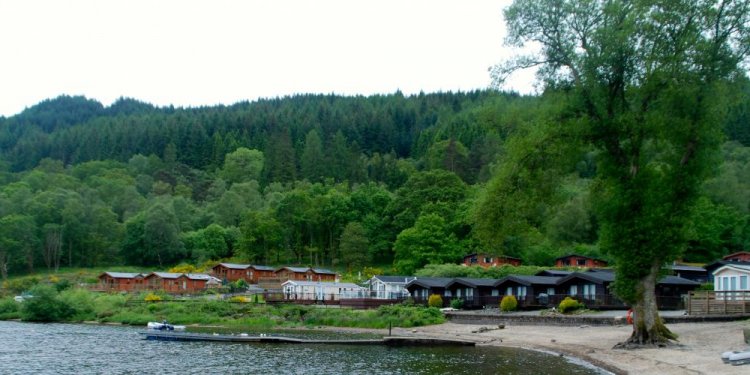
{"x": 389, "y": 340}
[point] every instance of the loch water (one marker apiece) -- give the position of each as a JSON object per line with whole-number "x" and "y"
{"x": 29, "y": 348}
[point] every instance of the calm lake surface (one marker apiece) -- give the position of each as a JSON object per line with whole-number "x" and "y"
{"x": 27, "y": 348}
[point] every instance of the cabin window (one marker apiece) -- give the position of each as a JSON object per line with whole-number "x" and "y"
{"x": 449, "y": 294}
{"x": 718, "y": 284}
{"x": 733, "y": 283}
{"x": 521, "y": 292}
{"x": 574, "y": 290}
{"x": 495, "y": 292}
{"x": 589, "y": 291}
{"x": 550, "y": 291}
{"x": 509, "y": 291}
{"x": 743, "y": 282}
{"x": 581, "y": 262}
{"x": 487, "y": 260}
{"x": 469, "y": 292}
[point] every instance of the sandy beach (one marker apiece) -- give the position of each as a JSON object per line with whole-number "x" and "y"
{"x": 699, "y": 350}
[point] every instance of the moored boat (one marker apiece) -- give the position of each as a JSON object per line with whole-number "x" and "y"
{"x": 740, "y": 358}
{"x": 164, "y": 326}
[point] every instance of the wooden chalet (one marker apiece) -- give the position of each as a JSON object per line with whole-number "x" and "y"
{"x": 230, "y": 272}
{"x": 180, "y": 282}
{"x": 591, "y": 288}
{"x": 421, "y": 288}
{"x": 695, "y": 273}
{"x": 487, "y": 261}
{"x": 260, "y": 273}
{"x": 121, "y": 282}
{"x": 305, "y": 274}
{"x": 475, "y": 293}
{"x": 575, "y": 260}
{"x": 530, "y": 291}
{"x": 742, "y": 256}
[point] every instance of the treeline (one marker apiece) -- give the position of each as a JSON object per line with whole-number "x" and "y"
{"x": 320, "y": 180}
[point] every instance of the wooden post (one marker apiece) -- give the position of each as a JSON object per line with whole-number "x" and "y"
{"x": 708, "y": 304}
{"x": 390, "y": 325}
{"x": 725, "y": 303}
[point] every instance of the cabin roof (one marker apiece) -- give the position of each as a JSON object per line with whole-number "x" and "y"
{"x": 558, "y": 273}
{"x": 166, "y": 275}
{"x": 471, "y": 282}
{"x": 234, "y": 266}
{"x": 294, "y": 269}
{"x": 122, "y": 275}
{"x": 732, "y": 265}
{"x": 393, "y": 279}
{"x": 262, "y": 268}
{"x": 430, "y": 282}
{"x": 726, "y": 257}
{"x": 323, "y": 271}
{"x": 679, "y": 267}
{"x": 529, "y": 280}
{"x": 594, "y": 277}
{"x": 199, "y": 276}
{"x": 676, "y": 280}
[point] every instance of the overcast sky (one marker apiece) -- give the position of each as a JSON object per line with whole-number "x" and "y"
{"x": 192, "y": 53}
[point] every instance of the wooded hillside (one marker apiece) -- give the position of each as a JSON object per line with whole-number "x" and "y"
{"x": 319, "y": 180}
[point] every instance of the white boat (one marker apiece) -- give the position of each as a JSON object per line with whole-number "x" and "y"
{"x": 725, "y": 356}
{"x": 741, "y": 358}
{"x": 164, "y": 326}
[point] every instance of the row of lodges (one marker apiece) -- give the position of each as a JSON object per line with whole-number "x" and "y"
{"x": 570, "y": 260}
{"x": 255, "y": 274}
{"x": 222, "y": 273}
{"x": 170, "y": 282}
{"x": 545, "y": 289}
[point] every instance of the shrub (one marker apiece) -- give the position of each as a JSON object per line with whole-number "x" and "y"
{"x": 151, "y": 297}
{"x": 569, "y": 304}
{"x": 21, "y": 284}
{"x": 45, "y": 306}
{"x": 509, "y": 303}
{"x": 435, "y": 301}
{"x": 457, "y": 303}
{"x": 239, "y": 299}
{"x": 8, "y": 308}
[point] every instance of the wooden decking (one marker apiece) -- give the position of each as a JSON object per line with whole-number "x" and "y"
{"x": 718, "y": 303}
{"x": 389, "y": 340}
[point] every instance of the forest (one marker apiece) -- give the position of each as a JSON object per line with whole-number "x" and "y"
{"x": 387, "y": 181}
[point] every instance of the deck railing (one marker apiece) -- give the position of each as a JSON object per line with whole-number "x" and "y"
{"x": 718, "y": 302}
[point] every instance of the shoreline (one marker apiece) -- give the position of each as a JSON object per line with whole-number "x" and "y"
{"x": 697, "y": 351}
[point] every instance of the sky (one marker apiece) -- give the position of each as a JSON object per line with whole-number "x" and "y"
{"x": 201, "y": 53}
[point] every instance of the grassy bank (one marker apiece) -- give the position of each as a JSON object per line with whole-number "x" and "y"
{"x": 79, "y": 305}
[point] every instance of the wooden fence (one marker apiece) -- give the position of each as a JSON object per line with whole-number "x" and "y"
{"x": 718, "y": 303}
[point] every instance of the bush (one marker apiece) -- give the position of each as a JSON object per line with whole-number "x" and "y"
{"x": 240, "y": 299}
{"x": 435, "y": 301}
{"x": 509, "y": 303}
{"x": 8, "y": 309}
{"x": 21, "y": 284}
{"x": 569, "y": 304}
{"x": 151, "y": 297}
{"x": 45, "y": 306}
{"x": 457, "y": 303}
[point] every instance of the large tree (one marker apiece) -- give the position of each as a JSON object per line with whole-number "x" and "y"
{"x": 646, "y": 81}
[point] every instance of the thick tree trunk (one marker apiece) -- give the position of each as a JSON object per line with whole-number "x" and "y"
{"x": 648, "y": 328}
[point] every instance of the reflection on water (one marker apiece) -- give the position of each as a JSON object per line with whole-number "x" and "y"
{"x": 27, "y": 348}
